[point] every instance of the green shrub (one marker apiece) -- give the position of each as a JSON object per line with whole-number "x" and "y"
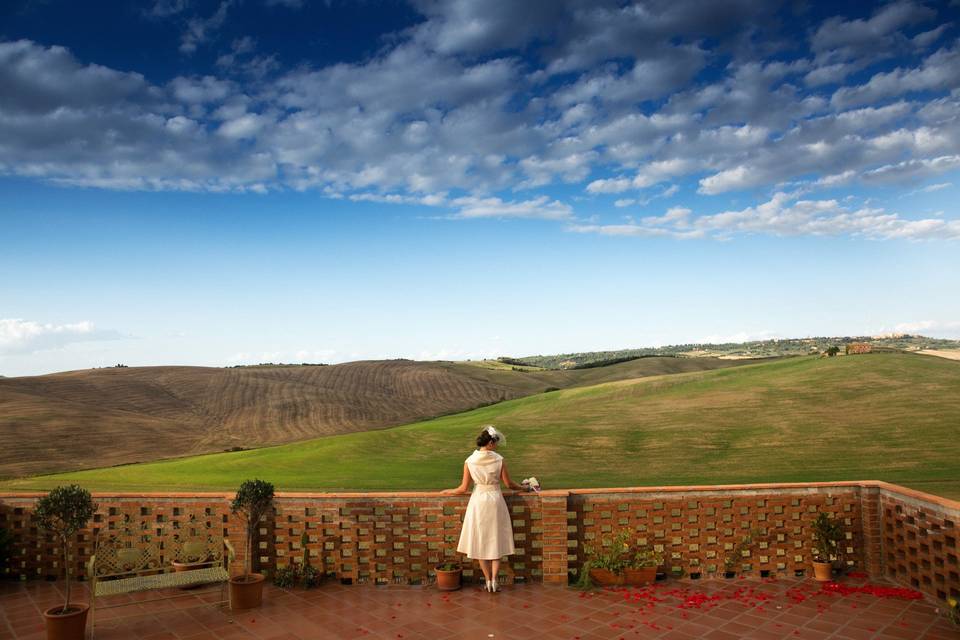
{"x": 303, "y": 574}
{"x": 828, "y": 532}
{"x": 254, "y": 498}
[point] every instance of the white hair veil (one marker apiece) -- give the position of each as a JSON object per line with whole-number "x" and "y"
{"x": 496, "y": 435}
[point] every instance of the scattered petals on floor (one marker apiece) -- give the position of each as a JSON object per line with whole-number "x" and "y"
{"x": 753, "y": 609}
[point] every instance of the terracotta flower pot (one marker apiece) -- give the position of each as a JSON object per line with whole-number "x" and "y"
{"x": 448, "y": 580}
{"x": 66, "y": 626}
{"x": 605, "y": 578}
{"x": 641, "y": 576}
{"x": 823, "y": 571}
{"x": 246, "y": 592}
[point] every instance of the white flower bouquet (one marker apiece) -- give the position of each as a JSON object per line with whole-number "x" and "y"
{"x": 531, "y": 484}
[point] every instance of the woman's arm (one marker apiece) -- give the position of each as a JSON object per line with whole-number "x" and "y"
{"x": 464, "y": 484}
{"x": 505, "y": 478}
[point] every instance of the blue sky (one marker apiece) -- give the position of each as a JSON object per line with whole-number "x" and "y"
{"x": 235, "y": 181}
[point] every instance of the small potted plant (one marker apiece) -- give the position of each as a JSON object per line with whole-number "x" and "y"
{"x": 641, "y": 567}
{"x": 953, "y": 611}
{"x": 736, "y": 555}
{"x": 63, "y": 512}
{"x": 254, "y": 498}
{"x": 304, "y": 573}
{"x": 828, "y": 532}
{"x": 448, "y": 576}
{"x": 605, "y": 565}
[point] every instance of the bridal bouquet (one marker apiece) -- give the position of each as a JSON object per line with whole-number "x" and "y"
{"x": 531, "y": 484}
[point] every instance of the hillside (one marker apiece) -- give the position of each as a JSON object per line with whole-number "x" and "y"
{"x": 98, "y": 417}
{"x": 755, "y": 349}
{"x": 891, "y": 417}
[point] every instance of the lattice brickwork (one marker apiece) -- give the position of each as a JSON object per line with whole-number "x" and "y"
{"x": 399, "y": 538}
{"x": 707, "y": 533}
{"x": 37, "y": 555}
{"x": 391, "y": 540}
{"x": 920, "y": 545}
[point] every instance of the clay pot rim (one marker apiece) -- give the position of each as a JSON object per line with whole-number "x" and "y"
{"x": 76, "y": 609}
{"x": 439, "y": 570}
{"x": 250, "y": 578}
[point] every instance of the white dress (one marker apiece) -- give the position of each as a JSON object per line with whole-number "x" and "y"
{"x": 487, "y": 533}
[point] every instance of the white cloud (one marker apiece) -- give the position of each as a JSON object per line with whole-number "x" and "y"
{"x": 785, "y": 215}
{"x": 199, "y": 29}
{"x": 940, "y": 71}
{"x": 916, "y": 169}
{"x": 542, "y": 207}
{"x": 930, "y": 188}
{"x": 19, "y": 337}
{"x": 932, "y": 328}
{"x": 485, "y": 99}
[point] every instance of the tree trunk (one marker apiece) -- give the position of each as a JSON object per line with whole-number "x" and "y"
{"x": 66, "y": 572}
{"x": 251, "y": 545}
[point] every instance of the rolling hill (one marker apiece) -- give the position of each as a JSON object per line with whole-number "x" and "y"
{"x": 99, "y": 417}
{"x": 889, "y": 416}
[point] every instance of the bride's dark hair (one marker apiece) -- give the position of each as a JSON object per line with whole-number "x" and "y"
{"x": 485, "y": 438}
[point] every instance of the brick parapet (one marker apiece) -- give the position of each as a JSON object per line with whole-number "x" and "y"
{"x": 399, "y": 537}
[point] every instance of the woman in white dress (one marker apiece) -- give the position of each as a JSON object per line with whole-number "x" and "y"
{"x": 487, "y": 533}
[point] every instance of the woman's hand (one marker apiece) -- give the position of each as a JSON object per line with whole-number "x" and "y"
{"x": 452, "y": 492}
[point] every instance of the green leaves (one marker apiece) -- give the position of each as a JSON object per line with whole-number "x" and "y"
{"x": 65, "y": 510}
{"x": 253, "y": 499}
{"x": 828, "y": 532}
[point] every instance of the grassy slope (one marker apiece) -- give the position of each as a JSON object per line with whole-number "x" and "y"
{"x": 893, "y": 417}
{"x": 92, "y": 418}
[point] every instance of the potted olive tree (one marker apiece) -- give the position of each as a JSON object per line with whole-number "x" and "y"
{"x": 63, "y": 512}
{"x": 828, "y": 532}
{"x": 254, "y": 498}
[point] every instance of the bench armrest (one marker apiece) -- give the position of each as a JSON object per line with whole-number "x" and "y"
{"x": 231, "y": 552}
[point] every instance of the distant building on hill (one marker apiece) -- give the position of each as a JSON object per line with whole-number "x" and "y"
{"x": 858, "y": 347}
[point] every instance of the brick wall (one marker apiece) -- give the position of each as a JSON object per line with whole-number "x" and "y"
{"x": 707, "y": 532}
{"x": 399, "y": 537}
{"x": 919, "y": 540}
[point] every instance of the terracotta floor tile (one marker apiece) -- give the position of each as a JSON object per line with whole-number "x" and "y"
{"x": 674, "y": 610}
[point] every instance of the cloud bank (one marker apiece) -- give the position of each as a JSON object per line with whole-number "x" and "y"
{"x": 484, "y": 107}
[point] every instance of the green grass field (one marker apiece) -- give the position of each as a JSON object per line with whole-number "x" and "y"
{"x": 891, "y": 416}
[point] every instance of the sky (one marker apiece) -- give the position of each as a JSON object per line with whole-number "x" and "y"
{"x": 222, "y": 182}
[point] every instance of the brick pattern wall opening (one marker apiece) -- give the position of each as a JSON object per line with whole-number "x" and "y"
{"x": 762, "y": 530}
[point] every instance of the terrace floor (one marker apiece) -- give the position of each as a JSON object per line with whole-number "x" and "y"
{"x": 715, "y": 609}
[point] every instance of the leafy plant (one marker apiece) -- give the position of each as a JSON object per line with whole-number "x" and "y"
{"x": 736, "y": 554}
{"x": 953, "y": 611}
{"x": 584, "y": 582}
{"x": 613, "y": 554}
{"x": 644, "y": 556}
{"x": 448, "y": 566}
{"x": 828, "y": 532}
{"x": 254, "y": 498}
{"x": 302, "y": 573}
{"x": 63, "y": 512}
{"x": 286, "y": 577}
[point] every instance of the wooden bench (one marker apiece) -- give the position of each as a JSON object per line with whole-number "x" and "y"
{"x": 139, "y": 559}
